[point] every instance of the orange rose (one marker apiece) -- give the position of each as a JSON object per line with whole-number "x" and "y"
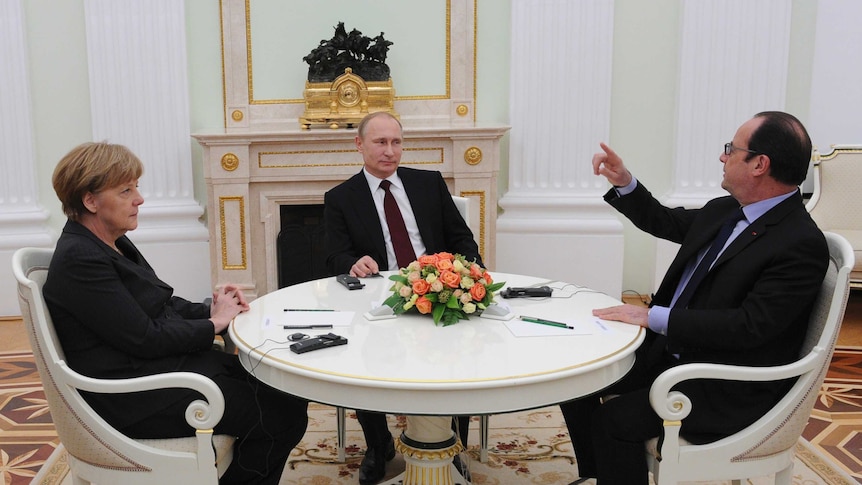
{"x": 444, "y": 265}
{"x": 487, "y": 278}
{"x": 427, "y": 260}
{"x": 476, "y": 271}
{"x": 477, "y": 292}
{"x": 450, "y": 279}
{"x": 420, "y": 287}
{"x": 423, "y": 305}
{"x": 447, "y": 256}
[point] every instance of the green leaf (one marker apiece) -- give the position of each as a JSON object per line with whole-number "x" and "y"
{"x": 399, "y": 278}
{"x": 451, "y": 317}
{"x": 393, "y": 300}
{"x": 437, "y": 313}
{"x": 453, "y": 303}
{"x": 398, "y": 308}
{"x": 495, "y": 286}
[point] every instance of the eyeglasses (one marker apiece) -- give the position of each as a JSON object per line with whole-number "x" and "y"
{"x": 729, "y": 148}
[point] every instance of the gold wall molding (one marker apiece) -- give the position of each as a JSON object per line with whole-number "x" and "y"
{"x": 223, "y": 225}
{"x": 458, "y": 54}
{"x": 479, "y": 194}
{"x": 447, "y": 63}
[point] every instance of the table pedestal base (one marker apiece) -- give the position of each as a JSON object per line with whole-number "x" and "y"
{"x": 454, "y": 478}
{"x": 428, "y": 446}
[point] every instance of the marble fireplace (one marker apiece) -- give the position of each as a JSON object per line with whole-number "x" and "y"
{"x": 251, "y": 175}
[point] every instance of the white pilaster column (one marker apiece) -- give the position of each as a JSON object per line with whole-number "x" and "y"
{"x": 733, "y": 63}
{"x": 22, "y": 219}
{"x": 139, "y": 98}
{"x": 554, "y": 221}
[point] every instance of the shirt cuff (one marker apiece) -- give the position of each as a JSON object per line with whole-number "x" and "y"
{"x": 627, "y": 189}
{"x": 658, "y": 318}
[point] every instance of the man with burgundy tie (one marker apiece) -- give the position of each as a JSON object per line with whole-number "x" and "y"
{"x": 381, "y": 219}
{"x": 739, "y": 291}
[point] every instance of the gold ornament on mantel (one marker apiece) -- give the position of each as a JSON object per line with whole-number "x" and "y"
{"x": 345, "y": 101}
{"x": 362, "y": 85}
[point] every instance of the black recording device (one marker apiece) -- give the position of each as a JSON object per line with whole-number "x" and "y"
{"x": 350, "y": 282}
{"x": 519, "y": 292}
{"x": 317, "y": 343}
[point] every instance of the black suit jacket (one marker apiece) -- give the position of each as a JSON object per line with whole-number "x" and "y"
{"x": 752, "y": 308}
{"x": 353, "y": 229}
{"x": 115, "y": 318}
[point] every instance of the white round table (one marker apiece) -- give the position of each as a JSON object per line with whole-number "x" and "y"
{"x": 407, "y": 365}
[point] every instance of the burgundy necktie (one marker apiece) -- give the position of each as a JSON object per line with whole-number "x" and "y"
{"x": 397, "y": 230}
{"x": 710, "y": 256}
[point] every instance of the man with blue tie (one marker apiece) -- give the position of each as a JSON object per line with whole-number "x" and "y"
{"x": 739, "y": 291}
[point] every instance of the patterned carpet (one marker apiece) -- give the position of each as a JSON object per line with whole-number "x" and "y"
{"x": 528, "y": 447}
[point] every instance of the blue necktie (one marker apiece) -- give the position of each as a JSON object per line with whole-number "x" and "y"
{"x": 709, "y": 258}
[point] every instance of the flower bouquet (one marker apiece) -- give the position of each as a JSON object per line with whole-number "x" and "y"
{"x": 447, "y": 286}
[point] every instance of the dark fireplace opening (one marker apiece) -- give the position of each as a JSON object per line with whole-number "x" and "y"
{"x": 300, "y": 244}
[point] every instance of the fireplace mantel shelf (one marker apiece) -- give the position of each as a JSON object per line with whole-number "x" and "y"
{"x": 250, "y": 174}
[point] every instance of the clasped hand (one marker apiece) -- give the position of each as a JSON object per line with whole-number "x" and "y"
{"x": 228, "y": 302}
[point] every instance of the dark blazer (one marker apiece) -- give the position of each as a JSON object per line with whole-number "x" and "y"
{"x": 752, "y": 308}
{"x": 353, "y": 229}
{"x": 115, "y": 318}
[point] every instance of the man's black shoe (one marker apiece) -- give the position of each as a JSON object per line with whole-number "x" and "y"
{"x": 373, "y": 466}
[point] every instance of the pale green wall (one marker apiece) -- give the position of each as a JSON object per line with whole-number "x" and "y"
{"x": 59, "y": 89}
{"x": 643, "y": 108}
{"x": 203, "y": 41}
{"x": 801, "y": 62}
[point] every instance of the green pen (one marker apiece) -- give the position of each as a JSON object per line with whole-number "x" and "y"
{"x": 550, "y": 323}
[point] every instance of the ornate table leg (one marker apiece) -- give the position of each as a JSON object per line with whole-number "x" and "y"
{"x": 428, "y": 445}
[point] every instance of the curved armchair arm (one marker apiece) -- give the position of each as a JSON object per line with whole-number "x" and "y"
{"x": 199, "y": 414}
{"x": 675, "y": 406}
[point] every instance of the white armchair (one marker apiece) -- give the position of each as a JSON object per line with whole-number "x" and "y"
{"x": 767, "y": 445}
{"x": 835, "y": 203}
{"x": 463, "y": 205}
{"x": 98, "y": 453}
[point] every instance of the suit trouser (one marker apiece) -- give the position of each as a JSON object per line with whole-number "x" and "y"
{"x": 608, "y": 439}
{"x": 268, "y": 424}
{"x": 377, "y": 434}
